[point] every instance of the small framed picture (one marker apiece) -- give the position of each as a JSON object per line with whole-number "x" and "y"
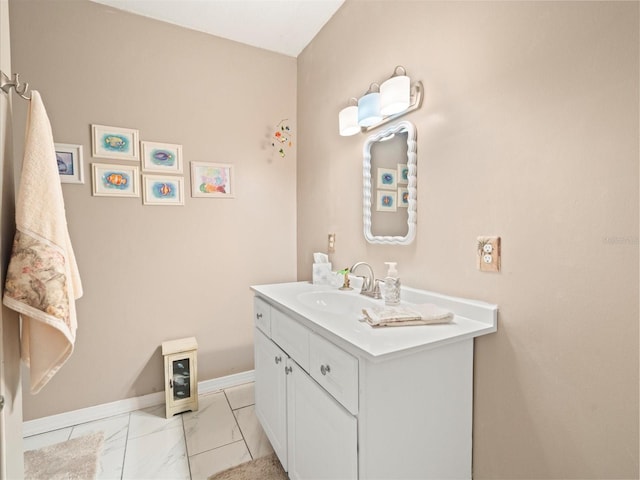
{"x": 162, "y": 190}
{"x": 114, "y": 142}
{"x": 387, "y": 178}
{"x": 161, "y": 157}
{"x": 403, "y": 174}
{"x": 212, "y": 180}
{"x": 386, "y": 201}
{"x": 69, "y": 159}
{"x": 115, "y": 180}
{"x": 403, "y": 198}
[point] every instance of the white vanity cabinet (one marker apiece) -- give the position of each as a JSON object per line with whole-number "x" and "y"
{"x": 312, "y": 434}
{"x": 341, "y": 400}
{"x": 271, "y": 392}
{"x": 322, "y": 435}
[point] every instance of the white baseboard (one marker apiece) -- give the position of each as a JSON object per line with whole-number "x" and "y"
{"x": 89, "y": 414}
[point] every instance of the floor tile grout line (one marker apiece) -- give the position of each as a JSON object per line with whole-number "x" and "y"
{"x": 126, "y": 444}
{"x": 235, "y": 419}
{"x": 186, "y": 446}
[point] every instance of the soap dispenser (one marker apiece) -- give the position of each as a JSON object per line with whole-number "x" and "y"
{"x": 392, "y": 285}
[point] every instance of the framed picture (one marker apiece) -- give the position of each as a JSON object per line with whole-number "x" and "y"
{"x": 69, "y": 159}
{"x": 403, "y": 174}
{"x": 115, "y": 180}
{"x": 387, "y": 178}
{"x": 114, "y": 142}
{"x": 161, "y": 157}
{"x": 403, "y": 197}
{"x": 162, "y": 190}
{"x": 212, "y": 180}
{"x": 386, "y": 201}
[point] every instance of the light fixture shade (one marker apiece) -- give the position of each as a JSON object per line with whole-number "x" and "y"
{"x": 369, "y": 109}
{"x": 348, "y": 121}
{"x": 395, "y": 95}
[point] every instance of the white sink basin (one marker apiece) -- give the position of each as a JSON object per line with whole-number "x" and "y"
{"x": 336, "y": 301}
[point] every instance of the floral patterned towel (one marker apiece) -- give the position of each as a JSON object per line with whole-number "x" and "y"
{"x": 42, "y": 281}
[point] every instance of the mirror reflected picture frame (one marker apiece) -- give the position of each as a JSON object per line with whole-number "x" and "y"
{"x": 405, "y": 175}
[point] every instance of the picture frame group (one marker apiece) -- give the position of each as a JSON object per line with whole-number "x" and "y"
{"x": 157, "y": 175}
{"x": 392, "y": 191}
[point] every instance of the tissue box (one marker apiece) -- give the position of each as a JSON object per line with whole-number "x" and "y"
{"x": 322, "y": 274}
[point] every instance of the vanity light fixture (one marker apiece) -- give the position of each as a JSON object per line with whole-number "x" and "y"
{"x": 348, "y": 119}
{"x": 369, "y": 107}
{"x": 395, "y": 93}
{"x": 381, "y": 104}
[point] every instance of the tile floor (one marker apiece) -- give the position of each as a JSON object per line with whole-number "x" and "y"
{"x": 224, "y": 432}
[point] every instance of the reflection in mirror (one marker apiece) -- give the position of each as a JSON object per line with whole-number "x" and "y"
{"x": 389, "y": 192}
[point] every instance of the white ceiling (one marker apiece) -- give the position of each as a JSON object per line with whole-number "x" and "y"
{"x": 283, "y": 26}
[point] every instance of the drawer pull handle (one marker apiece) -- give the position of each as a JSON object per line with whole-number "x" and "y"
{"x": 324, "y": 369}
{"x": 259, "y": 316}
{"x": 288, "y": 370}
{"x": 278, "y": 359}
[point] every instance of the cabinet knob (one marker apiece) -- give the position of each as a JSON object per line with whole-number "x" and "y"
{"x": 324, "y": 369}
{"x": 288, "y": 370}
{"x": 278, "y": 359}
{"x": 259, "y": 316}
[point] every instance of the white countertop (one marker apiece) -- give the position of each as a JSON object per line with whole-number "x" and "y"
{"x": 472, "y": 318}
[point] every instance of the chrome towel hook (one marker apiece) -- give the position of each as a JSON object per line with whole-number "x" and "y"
{"x": 6, "y": 84}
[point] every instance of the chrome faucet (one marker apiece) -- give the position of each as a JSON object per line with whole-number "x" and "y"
{"x": 370, "y": 286}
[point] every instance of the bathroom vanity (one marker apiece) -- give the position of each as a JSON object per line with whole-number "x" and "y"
{"x": 339, "y": 399}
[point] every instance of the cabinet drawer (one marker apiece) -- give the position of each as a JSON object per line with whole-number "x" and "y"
{"x": 262, "y": 315}
{"x": 336, "y": 370}
{"x": 291, "y": 337}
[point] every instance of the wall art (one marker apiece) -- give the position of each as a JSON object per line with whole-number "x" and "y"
{"x": 162, "y": 190}
{"x": 282, "y": 138}
{"x": 403, "y": 197}
{"x": 114, "y": 142}
{"x": 115, "y": 180}
{"x": 70, "y": 165}
{"x": 387, "y": 201}
{"x": 212, "y": 180}
{"x": 403, "y": 174}
{"x": 161, "y": 157}
{"x": 387, "y": 178}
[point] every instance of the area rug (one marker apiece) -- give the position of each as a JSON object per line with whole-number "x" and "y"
{"x": 263, "y": 468}
{"x": 76, "y": 459}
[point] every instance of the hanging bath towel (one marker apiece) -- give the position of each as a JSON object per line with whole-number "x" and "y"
{"x": 42, "y": 279}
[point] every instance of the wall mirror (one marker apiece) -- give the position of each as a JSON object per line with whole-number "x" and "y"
{"x": 389, "y": 185}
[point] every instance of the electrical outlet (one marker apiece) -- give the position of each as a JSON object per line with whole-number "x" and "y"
{"x": 488, "y": 252}
{"x": 332, "y": 243}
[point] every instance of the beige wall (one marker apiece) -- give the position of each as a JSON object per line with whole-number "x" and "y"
{"x": 153, "y": 273}
{"x": 529, "y": 130}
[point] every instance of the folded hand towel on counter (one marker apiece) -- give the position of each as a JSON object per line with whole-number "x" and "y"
{"x": 42, "y": 281}
{"x": 424, "y": 314}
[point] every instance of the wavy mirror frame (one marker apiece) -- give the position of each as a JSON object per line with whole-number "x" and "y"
{"x": 399, "y": 127}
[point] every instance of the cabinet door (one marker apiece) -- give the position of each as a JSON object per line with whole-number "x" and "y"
{"x": 270, "y": 392}
{"x": 322, "y": 434}
{"x": 182, "y": 392}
